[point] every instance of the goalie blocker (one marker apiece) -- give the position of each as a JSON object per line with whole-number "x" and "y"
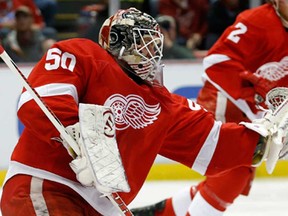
{"x": 99, "y": 163}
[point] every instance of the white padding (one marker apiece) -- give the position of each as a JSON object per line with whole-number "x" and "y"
{"x": 206, "y": 153}
{"x": 100, "y": 148}
{"x": 200, "y": 207}
{"x": 50, "y": 90}
{"x": 213, "y": 59}
{"x": 181, "y": 201}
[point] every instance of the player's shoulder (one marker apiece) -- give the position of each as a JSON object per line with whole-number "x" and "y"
{"x": 79, "y": 45}
{"x": 82, "y": 48}
{"x": 76, "y": 41}
{"x": 261, "y": 17}
{"x": 254, "y": 13}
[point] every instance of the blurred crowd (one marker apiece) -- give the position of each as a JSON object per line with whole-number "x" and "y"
{"x": 190, "y": 27}
{"x": 26, "y": 28}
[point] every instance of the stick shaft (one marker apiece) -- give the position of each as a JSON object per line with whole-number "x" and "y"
{"x": 117, "y": 201}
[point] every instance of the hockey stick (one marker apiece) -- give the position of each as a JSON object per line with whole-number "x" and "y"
{"x": 114, "y": 197}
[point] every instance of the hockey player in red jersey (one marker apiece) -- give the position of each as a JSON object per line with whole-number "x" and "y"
{"x": 249, "y": 59}
{"x": 123, "y": 75}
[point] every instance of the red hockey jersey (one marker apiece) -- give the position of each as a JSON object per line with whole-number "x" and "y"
{"x": 257, "y": 37}
{"x": 149, "y": 120}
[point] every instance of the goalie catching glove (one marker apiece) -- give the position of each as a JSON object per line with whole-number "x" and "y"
{"x": 99, "y": 163}
{"x": 273, "y": 128}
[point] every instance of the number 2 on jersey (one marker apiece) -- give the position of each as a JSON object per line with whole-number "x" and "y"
{"x": 234, "y": 35}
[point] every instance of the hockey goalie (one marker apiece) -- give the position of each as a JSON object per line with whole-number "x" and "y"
{"x": 112, "y": 103}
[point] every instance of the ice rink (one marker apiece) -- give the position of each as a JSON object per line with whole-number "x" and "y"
{"x": 268, "y": 197}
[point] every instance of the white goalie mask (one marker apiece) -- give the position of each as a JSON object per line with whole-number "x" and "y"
{"x": 134, "y": 37}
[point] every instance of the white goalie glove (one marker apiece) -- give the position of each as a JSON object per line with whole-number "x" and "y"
{"x": 99, "y": 163}
{"x": 273, "y": 127}
{"x": 79, "y": 164}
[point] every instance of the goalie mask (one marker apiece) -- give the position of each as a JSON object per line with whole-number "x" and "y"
{"x": 134, "y": 37}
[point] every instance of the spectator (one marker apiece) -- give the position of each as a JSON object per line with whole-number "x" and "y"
{"x": 191, "y": 17}
{"x": 171, "y": 50}
{"x": 37, "y": 16}
{"x": 221, "y": 14}
{"x": 39, "y": 22}
{"x": 91, "y": 18}
{"x": 6, "y": 17}
{"x": 26, "y": 43}
{"x": 48, "y": 9}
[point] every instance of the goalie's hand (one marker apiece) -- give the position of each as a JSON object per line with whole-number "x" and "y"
{"x": 74, "y": 132}
{"x": 79, "y": 164}
{"x": 82, "y": 171}
{"x": 261, "y": 87}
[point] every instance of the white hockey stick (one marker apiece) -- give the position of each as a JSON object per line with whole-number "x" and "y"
{"x": 114, "y": 197}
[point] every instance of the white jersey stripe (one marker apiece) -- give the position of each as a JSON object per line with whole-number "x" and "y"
{"x": 221, "y": 106}
{"x": 90, "y": 194}
{"x": 50, "y": 90}
{"x": 213, "y": 59}
{"x": 37, "y": 198}
{"x": 206, "y": 153}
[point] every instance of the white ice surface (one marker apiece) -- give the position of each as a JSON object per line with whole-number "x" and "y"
{"x": 268, "y": 197}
